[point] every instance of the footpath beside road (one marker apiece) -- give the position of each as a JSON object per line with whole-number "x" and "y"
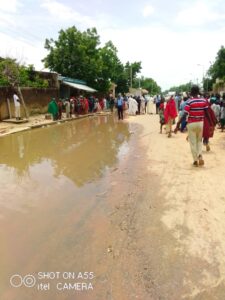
{"x": 37, "y": 121}
{"x": 172, "y": 223}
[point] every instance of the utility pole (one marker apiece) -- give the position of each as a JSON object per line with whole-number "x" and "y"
{"x": 131, "y": 76}
{"x": 203, "y": 75}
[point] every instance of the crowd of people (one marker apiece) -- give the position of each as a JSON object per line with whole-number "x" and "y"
{"x": 197, "y": 114}
{"x": 79, "y": 105}
{"x": 135, "y": 105}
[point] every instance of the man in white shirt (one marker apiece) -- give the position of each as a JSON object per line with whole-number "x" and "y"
{"x": 17, "y": 106}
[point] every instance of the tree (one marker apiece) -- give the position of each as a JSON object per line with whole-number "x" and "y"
{"x": 78, "y": 55}
{"x": 180, "y": 88}
{"x": 149, "y": 84}
{"x": 217, "y": 69}
{"x": 16, "y": 75}
{"x": 74, "y": 54}
{"x": 111, "y": 68}
{"x": 207, "y": 84}
{"x": 132, "y": 69}
{"x": 11, "y": 73}
{"x": 9, "y": 70}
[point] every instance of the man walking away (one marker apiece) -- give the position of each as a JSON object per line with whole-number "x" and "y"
{"x": 120, "y": 106}
{"x": 195, "y": 109}
{"x": 111, "y": 102}
{"x": 157, "y": 103}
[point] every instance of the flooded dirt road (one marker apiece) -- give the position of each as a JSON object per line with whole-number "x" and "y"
{"x": 100, "y": 209}
{"x": 54, "y": 210}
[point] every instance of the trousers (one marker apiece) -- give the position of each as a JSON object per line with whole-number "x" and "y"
{"x": 17, "y": 111}
{"x": 195, "y": 130}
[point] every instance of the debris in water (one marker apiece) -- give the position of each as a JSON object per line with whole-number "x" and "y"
{"x": 101, "y": 194}
{"x": 109, "y": 250}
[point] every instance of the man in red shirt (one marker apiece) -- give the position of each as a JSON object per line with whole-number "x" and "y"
{"x": 195, "y": 109}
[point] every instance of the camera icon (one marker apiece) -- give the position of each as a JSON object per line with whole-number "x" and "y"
{"x": 17, "y": 281}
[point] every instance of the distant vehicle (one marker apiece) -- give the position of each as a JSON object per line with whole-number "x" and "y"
{"x": 171, "y": 94}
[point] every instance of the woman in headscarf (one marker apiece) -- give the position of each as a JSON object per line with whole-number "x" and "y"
{"x": 209, "y": 125}
{"x": 170, "y": 115}
{"x": 53, "y": 109}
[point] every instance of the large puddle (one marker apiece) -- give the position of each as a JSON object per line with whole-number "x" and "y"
{"x": 49, "y": 179}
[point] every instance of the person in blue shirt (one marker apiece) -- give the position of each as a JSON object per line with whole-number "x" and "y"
{"x": 120, "y": 106}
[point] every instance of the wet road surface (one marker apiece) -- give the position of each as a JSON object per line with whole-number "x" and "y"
{"x": 54, "y": 182}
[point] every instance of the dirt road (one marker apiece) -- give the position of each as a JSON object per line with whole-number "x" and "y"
{"x": 151, "y": 228}
{"x": 172, "y": 223}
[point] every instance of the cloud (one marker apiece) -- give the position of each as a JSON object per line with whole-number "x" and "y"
{"x": 198, "y": 14}
{"x": 8, "y": 10}
{"x": 166, "y": 61}
{"x": 148, "y": 10}
{"x": 22, "y": 51}
{"x": 167, "y": 54}
{"x": 6, "y": 20}
{"x": 10, "y": 6}
{"x": 62, "y": 12}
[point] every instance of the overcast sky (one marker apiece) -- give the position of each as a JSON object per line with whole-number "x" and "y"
{"x": 175, "y": 40}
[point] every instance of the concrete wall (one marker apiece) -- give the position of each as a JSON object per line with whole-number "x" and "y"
{"x": 36, "y": 100}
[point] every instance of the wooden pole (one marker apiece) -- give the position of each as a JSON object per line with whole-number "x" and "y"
{"x": 9, "y": 108}
{"x": 23, "y": 102}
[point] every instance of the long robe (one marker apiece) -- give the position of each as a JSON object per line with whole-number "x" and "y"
{"x": 142, "y": 105}
{"x": 209, "y": 124}
{"x": 133, "y": 106}
{"x": 53, "y": 109}
{"x": 170, "y": 110}
{"x": 150, "y": 106}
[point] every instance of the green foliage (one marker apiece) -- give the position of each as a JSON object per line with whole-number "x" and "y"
{"x": 110, "y": 67}
{"x": 147, "y": 83}
{"x": 217, "y": 69}
{"x": 180, "y": 88}
{"x": 14, "y": 74}
{"x": 74, "y": 54}
{"x": 208, "y": 84}
{"x": 9, "y": 72}
{"x": 77, "y": 55}
{"x": 131, "y": 71}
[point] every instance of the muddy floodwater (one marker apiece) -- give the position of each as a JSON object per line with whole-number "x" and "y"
{"x": 52, "y": 186}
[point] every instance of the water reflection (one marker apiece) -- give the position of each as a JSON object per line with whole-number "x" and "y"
{"x": 79, "y": 150}
{"x": 48, "y": 212}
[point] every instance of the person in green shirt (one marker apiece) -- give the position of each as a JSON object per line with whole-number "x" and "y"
{"x": 53, "y": 109}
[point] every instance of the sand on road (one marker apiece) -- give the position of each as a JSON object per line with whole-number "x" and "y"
{"x": 180, "y": 218}
{"x": 156, "y": 230}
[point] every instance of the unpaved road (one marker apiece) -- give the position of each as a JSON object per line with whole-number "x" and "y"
{"x": 154, "y": 231}
{"x": 171, "y": 227}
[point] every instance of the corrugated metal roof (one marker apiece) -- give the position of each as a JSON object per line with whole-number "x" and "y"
{"x": 73, "y": 80}
{"x": 79, "y": 86}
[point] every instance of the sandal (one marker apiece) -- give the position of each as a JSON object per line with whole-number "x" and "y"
{"x": 200, "y": 160}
